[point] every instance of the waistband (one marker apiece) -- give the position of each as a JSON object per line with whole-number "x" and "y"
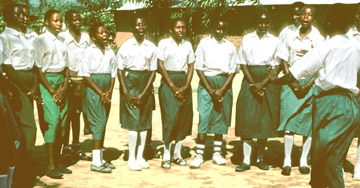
{"x": 334, "y": 91}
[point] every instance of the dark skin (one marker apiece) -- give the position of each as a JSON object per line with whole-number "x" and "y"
{"x": 258, "y": 87}
{"x": 74, "y": 26}
{"x": 100, "y": 41}
{"x": 134, "y": 101}
{"x": 218, "y": 33}
{"x": 18, "y": 23}
{"x": 296, "y": 16}
{"x": 177, "y": 33}
{"x": 357, "y": 18}
{"x": 54, "y": 25}
{"x": 306, "y": 22}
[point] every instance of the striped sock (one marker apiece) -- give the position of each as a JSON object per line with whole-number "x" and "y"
{"x": 217, "y": 146}
{"x": 200, "y": 149}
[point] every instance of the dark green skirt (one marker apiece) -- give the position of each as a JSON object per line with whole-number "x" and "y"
{"x": 176, "y": 116}
{"x": 336, "y": 120}
{"x": 256, "y": 116}
{"x": 54, "y": 115}
{"x": 215, "y": 117}
{"x": 23, "y": 109}
{"x": 140, "y": 118}
{"x": 296, "y": 114}
{"x": 96, "y": 111}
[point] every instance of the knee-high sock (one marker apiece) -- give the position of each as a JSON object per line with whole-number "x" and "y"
{"x": 167, "y": 148}
{"x": 10, "y": 176}
{"x": 288, "y": 145}
{"x": 200, "y": 148}
{"x": 141, "y": 145}
{"x": 247, "y": 151}
{"x": 217, "y": 146}
{"x": 132, "y": 139}
{"x": 261, "y": 149}
{"x": 177, "y": 150}
{"x": 96, "y": 158}
{"x": 3, "y": 180}
{"x": 305, "y": 152}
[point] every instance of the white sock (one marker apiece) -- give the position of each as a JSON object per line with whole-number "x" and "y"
{"x": 177, "y": 150}
{"x": 200, "y": 149}
{"x": 102, "y": 156}
{"x": 288, "y": 144}
{"x": 141, "y": 145}
{"x": 96, "y": 158}
{"x": 217, "y": 146}
{"x": 132, "y": 139}
{"x": 247, "y": 151}
{"x": 261, "y": 143}
{"x": 167, "y": 148}
{"x": 305, "y": 152}
{"x": 3, "y": 180}
{"x": 358, "y": 155}
{"x": 10, "y": 176}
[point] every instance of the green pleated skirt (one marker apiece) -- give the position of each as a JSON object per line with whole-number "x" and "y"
{"x": 256, "y": 116}
{"x": 96, "y": 111}
{"x": 54, "y": 114}
{"x": 176, "y": 116}
{"x": 336, "y": 120}
{"x": 296, "y": 114}
{"x": 23, "y": 109}
{"x": 214, "y": 117}
{"x": 139, "y": 118}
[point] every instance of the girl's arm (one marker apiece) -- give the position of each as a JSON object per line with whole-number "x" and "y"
{"x": 60, "y": 93}
{"x": 108, "y": 94}
{"x": 219, "y": 93}
{"x": 294, "y": 86}
{"x": 128, "y": 97}
{"x": 256, "y": 87}
{"x": 204, "y": 81}
{"x": 14, "y": 77}
{"x": 161, "y": 69}
{"x": 146, "y": 89}
{"x": 190, "y": 73}
{"x": 94, "y": 87}
{"x": 45, "y": 83}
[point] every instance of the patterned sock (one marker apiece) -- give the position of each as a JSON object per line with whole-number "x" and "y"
{"x": 247, "y": 151}
{"x": 200, "y": 149}
{"x": 288, "y": 144}
{"x": 305, "y": 152}
{"x": 217, "y": 146}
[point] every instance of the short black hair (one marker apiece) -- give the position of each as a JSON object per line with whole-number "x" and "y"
{"x": 262, "y": 11}
{"x": 175, "y": 21}
{"x": 93, "y": 29}
{"x": 49, "y": 13}
{"x": 215, "y": 21}
{"x": 297, "y": 4}
{"x": 68, "y": 14}
{"x": 8, "y": 11}
{"x": 134, "y": 20}
{"x": 338, "y": 18}
{"x": 310, "y": 7}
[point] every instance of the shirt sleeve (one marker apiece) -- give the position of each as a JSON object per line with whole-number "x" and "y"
{"x": 200, "y": 57}
{"x": 113, "y": 65}
{"x": 241, "y": 60}
{"x": 85, "y": 65}
{"x": 161, "y": 51}
{"x": 38, "y": 53}
{"x": 283, "y": 50}
{"x": 191, "y": 56}
{"x": 274, "y": 59}
{"x": 309, "y": 64}
{"x": 6, "y": 55}
{"x": 232, "y": 63}
{"x": 1, "y": 53}
{"x": 120, "y": 57}
{"x": 153, "y": 60}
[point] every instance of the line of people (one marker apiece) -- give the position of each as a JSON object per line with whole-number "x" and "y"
{"x": 70, "y": 72}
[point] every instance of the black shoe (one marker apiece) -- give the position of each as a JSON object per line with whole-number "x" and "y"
{"x": 304, "y": 170}
{"x": 286, "y": 171}
{"x": 242, "y": 167}
{"x": 262, "y": 165}
{"x": 54, "y": 173}
{"x": 67, "y": 157}
{"x": 64, "y": 170}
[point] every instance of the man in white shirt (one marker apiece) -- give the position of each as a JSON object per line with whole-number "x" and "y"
{"x": 76, "y": 42}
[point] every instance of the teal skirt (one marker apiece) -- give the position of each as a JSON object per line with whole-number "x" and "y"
{"x": 139, "y": 118}
{"x": 296, "y": 114}
{"x": 176, "y": 116}
{"x": 256, "y": 116}
{"x": 215, "y": 117}
{"x": 336, "y": 120}
{"x": 96, "y": 111}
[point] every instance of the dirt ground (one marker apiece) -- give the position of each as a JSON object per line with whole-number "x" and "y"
{"x": 209, "y": 175}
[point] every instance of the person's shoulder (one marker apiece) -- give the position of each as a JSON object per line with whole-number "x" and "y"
{"x": 163, "y": 42}
{"x": 149, "y": 43}
{"x": 85, "y": 36}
